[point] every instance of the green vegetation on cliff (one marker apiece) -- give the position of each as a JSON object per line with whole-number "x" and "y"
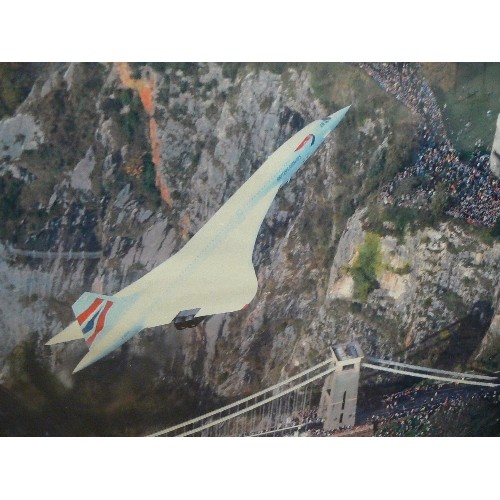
{"x": 16, "y": 80}
{"x": 10, "y": 190}
{"x": 365, "y": 269}
{"x": 495, "y": 230}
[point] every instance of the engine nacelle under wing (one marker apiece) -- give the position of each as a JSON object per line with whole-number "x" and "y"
{"x": 187, "y": 319}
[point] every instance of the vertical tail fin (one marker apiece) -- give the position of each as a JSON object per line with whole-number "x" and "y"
{"x": 91, "y": 310}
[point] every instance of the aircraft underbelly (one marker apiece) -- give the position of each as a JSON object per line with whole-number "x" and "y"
{"x": 215, "y": 272}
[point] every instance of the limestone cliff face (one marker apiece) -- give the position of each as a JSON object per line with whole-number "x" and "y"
{"x": 92, "y": 217}
{"x": 426, "y": 283}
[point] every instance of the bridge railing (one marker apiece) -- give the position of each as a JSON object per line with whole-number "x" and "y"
{"x": 429, "y": 373}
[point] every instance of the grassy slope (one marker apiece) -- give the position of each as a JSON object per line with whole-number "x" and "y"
{"x": 469, "y": 91}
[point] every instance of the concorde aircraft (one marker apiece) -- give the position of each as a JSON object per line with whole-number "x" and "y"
{"x": 212, "y": 274}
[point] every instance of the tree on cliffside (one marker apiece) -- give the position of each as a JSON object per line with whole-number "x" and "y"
{"x": 366, "y": 267}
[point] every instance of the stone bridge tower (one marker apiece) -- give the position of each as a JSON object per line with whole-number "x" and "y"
{"x": 340, "y": 390}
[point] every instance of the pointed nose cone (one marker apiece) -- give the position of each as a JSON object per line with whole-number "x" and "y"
{"x": 338, "y": 115}
{"x": 335, "y": 119}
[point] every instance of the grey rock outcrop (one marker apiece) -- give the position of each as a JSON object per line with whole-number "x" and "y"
{"x": 426, "y": 282}
{"x": 18, "y": 134}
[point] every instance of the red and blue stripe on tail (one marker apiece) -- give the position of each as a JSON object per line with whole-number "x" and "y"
{"x": 91, "y": 311}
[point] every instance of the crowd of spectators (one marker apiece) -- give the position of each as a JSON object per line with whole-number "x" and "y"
{"x": 307, "y": 416}
{"x": 320, "y": 432}
{"x": 406, "y": 413}
{"x": 404, "y": 82}
{"x": 471, "y": 191}
{"x": 309, "y": 424}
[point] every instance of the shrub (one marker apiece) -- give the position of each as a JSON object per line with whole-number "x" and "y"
{"x": 405, "y": 269}
{"x": 495, "y": 231}
{"x": 10, "y": 209}
{"x": 364, "y": 271}
{"x": 400, "y": 217}
{"x": 160, "y": 67}
{"x": 230, "y": 70}
{"x": 440, "y": 201}
{"x": 148, "y": 181}
{"x": 16, "y": 82}
{"x": 128, "y": 123}
{"x": 148, "y": 173}
{"x": 187, "y": 68}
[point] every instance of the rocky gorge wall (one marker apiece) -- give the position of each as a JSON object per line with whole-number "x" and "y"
{"x": 92, "y": 215}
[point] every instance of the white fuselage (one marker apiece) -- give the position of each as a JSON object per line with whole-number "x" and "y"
{"x": 213, "y": 272}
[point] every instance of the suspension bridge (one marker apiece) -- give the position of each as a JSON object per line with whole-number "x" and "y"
{"x": 286, "y": 407}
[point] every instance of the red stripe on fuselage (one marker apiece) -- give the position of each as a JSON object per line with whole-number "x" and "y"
{"x": 85, "y": 314}
{"x": 100, "y": 323}
{"x": 303, "y": 143}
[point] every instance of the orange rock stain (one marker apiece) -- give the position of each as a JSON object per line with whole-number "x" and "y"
{"x": 146, "y": 88}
